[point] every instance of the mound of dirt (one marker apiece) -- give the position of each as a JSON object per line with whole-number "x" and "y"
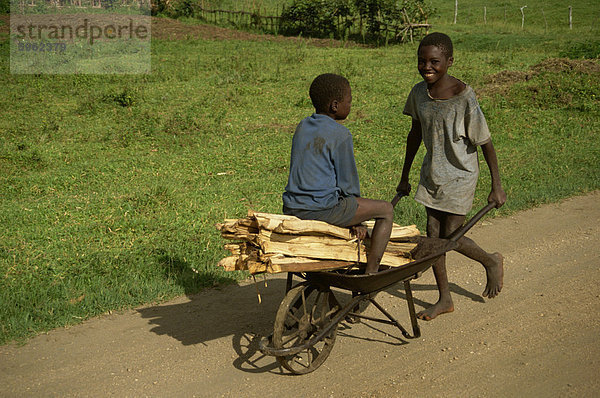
{"x": 500, "y": 82}
{"x": 565, "y": 65}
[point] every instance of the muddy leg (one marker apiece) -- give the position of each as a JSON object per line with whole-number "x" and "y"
{"x": 435, "y": 222}
{"x": 492, "y": 262}
{"x": 444, "y": 303}
{"x": 383, "y": 213}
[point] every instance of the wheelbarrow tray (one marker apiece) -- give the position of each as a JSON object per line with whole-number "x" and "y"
{"x": 364, "y": 284}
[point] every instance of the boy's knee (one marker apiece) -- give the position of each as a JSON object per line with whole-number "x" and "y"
{"x": 387, "y": 210}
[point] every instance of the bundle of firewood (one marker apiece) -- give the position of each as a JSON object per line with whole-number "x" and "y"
{"x": 275, "y": 243}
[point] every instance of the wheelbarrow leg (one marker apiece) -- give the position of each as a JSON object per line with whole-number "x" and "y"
{"x": 353, "y": 317}
{"x": 288, "y": 285}
{"x": 411, "y": 309}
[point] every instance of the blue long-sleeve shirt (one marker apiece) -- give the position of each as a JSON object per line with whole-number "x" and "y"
{"x": 322, "y": 166}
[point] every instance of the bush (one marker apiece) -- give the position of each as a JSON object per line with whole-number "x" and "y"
{"x": 379, "y": 13}
{"x": 322, "y": 18}
{"x": 174, "y": 8}
{"x": 314, "y": 17}
{"x": 4, "y": 6}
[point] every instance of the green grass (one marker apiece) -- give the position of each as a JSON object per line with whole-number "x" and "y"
{"x": 551, "y": 16}
{"x": 110, "y": 186}
{"x": 271, "y": 6}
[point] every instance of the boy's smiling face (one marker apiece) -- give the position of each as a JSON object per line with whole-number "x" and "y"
{"x": 433, "y": 64}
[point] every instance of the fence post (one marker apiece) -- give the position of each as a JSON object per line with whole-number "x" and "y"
{"x": 279, "y": 19}
{"x": 484, "y": 15}
{"x": 455, "y": 10}
{"x": 545, "y": 21}
{"x": 570, "y": 17}
{"x": 523, "y": 17}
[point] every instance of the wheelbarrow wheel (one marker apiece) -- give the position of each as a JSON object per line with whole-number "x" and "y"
{"x": 302, "y": 314}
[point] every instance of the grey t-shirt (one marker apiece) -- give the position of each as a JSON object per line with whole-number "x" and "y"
{"x": 452, "y": 129}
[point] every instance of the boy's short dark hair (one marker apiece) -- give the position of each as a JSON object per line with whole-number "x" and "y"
{"x": 326, "y": 88}
{"x": 440, "y": 40}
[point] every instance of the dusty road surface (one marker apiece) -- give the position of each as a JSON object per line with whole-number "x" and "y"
{"x": 540, "y": 337}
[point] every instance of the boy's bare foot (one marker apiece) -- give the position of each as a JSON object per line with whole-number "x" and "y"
{"x": 495, "y": 277}
{"x": 439, "y": 308}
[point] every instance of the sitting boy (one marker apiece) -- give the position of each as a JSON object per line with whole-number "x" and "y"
{"x": 323, "y": 182}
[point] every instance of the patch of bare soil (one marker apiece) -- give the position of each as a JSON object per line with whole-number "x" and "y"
{"x": 565, "y": 64}
{"x": 499, "y": 83}
{"x": 172, "y": 29}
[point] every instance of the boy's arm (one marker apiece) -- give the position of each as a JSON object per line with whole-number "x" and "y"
{"x": 413, "y": 142}
{"x": 497, "y": 194}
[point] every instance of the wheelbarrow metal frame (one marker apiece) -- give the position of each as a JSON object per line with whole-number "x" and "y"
{"x": 364, "y": 288}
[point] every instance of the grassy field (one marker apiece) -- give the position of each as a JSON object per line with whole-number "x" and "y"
{"x": 110, "y": 186}
{"x": 550, "y": 16}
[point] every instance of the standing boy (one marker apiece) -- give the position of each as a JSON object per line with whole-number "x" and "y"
{"x": 447, "y": 118}
{"x": 323, "y": 182}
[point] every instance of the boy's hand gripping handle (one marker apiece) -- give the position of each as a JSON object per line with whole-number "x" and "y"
{"x": 400, "y": 194}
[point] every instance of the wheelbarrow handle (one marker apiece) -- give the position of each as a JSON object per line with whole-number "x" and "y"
{"x": 396, "y": 199}
{"x": 399, "y": 195}
{"x": 459, "y": 233}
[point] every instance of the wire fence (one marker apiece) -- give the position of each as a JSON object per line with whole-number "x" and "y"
{"x": 255, "y": 19}
{"x": 344, "y": 27}
{"x": 545, "y": 16}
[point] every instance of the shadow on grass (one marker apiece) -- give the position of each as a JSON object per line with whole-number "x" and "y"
{"x": 184, "y": 275}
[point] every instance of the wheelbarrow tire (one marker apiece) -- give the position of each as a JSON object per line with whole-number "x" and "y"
{"x": 302, "y": 314}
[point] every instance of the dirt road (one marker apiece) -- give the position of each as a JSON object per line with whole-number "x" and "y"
{"x": 540, "y": 337}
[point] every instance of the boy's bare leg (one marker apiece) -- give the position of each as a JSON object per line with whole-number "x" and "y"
{"x": 383, "y": 213}
{"x": 441, "y": 224}
{"x": 435, "y": 222}
{"x": 492, "y": 262}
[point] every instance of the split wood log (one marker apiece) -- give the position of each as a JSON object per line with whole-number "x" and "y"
{"x": 243, "y": 263}
{"x": 403, "y": 249}
{"x": 311, "y": 250}
{"x": 256, "y": 267}
{"x": 245, "y": 227}
{"x": 299, "y": 227}
{"x": 325, "y": 251}
{"x": 228, "y": 263}
{"x": 278, "y": 264}
{"x": 399, "y": 233}
{"x": 278, "y": 243}
{"x": 269, "y": 236}
{"x": 240, "y": 248}
{"x": 270, "y": 221}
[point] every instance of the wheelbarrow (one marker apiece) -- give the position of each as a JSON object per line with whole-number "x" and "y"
{"x": 306, "y": 323}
